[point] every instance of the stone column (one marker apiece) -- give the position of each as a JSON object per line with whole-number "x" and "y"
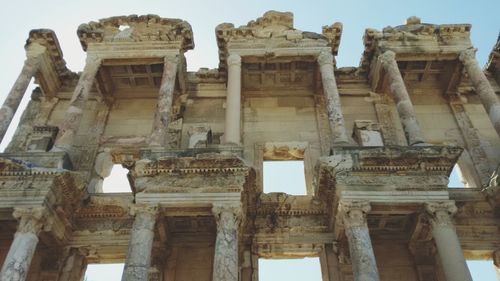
{"x": 402, "y": 99}
{"x": 332, "y": 97}
{"x": 233, "y": 100}
{"x": 482, "y": 86}
{"x": 164, "y": 104}
{"x": 74, "y": 113}
{"x": 140, "y": 245}
{"x": 31, "y": 66}
{"x": 447, "y": 243}
{"x": 18, "y": 260}
{"x": 226, "y": 264}
{"x": 74, "y": 266}
{"x": 353, "y": 215}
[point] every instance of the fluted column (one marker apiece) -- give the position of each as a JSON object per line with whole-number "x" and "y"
{"x": 233, "y": 100}
{"x": 332, "y": 97}
{"x": 447, "y": 243}
{"x": 164, "y": 104}
{"x": 353, "y": 215}
{"x": 140, "y": 245}
{"x": 31, "y": 66}
{"x": 74, "y": 113}
{"x": 226, "y": 265}
{"x": 482, "y": 86}
{"x": 402, "y": 99}
{"x": 22, "y": 249}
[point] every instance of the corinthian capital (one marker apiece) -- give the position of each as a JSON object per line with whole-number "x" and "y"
{"x": 227, "y": 216}
{"x": 145, "y": 216}
{"x": 234, "y": 59}
{"x": 440, "y": 213}
{"x": 324, "y": 58}
{"x": 387, "y": 57}
{"x": 468, "y": 56}
{"x": 31, "y": 220}
{"x": 353, "y": 213}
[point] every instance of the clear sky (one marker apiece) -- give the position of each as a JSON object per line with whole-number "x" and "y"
{"x": 64, "y": 16}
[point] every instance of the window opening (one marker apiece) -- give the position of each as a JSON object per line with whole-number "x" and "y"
{"x": 104, "y": 272}
{"x": 284, "y": 176}
{"x": 117, "y": 180}
{"x": 456, "y": 179}
{"x": 482, "y": 270}
{"x": 290, "y": 269}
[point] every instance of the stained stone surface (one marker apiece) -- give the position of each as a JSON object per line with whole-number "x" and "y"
{"x": 195, "y": 143}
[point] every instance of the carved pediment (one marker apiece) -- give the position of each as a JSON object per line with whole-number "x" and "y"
{"x": 135, "y": 28}
{"x": 273, "y": 30}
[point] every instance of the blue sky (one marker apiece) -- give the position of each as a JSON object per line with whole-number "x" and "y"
{"x": 64, "y": 17}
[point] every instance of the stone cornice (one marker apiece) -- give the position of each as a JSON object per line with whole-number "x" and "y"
{"x": 48, "y": 38}
{"x": 138, "y": 28}
{"x": 189, "y": 165}
{"x": 494, "y": 58}
{"x": 394, "y": 159}
{"x": 413, "y": 30}
{"x": 275, "y": 27}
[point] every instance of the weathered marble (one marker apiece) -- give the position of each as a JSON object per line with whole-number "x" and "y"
{"x": 73, "y": 116}
{"x": 74, "y": 266}
{"x": 482, "y": 86}
{"x": 447, "y": 242}
{"x": 353, "y": 216}
{"x": 138, "y": 259}
{"x": 332, "y": 97}
{"x": 164, "y": 105}
{"x": 31, "y": 66}
{"x": 22, "y": 249}
{"x": 226, "y": 265}
{"x": 402, "y": 98}
{"x": 232, "y": 133}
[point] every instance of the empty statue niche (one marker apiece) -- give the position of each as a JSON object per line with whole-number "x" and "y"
{"x": 117, "y": 181}
{"x": 290, "y": 269}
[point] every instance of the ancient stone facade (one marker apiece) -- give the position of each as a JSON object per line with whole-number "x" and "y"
{"x": 378, "y": 141}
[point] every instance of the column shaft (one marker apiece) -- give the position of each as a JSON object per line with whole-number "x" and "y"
{"x": 74, "y": 113}
{"x": 332, "y": 97}
{"x": 164, "y": 104}
{"x": 226, "y": 244}
{"x": 232, "y": 132}
{"x": 447, "y": 242}
{"x": 18, "y": 260}
{"x": 141, "y": 244}
{"x": 364, "y": 266}
{"x": 402, "y": 99}
{"x": 29, "y": 70}
{"x": 74, "y": 266}
{"x": 482, "y": 86}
